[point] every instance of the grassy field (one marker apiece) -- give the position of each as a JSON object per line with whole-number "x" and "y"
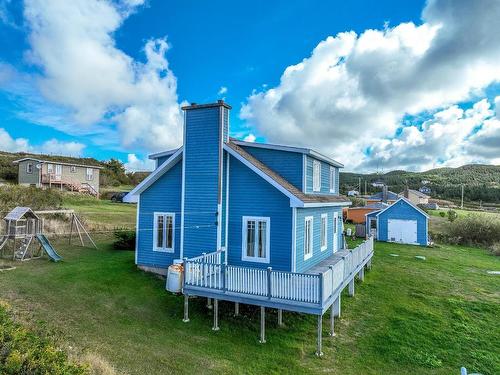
{"x": 101, "y": 214}
{"x": 409, "y": 316}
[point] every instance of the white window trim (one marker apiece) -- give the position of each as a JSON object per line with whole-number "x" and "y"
{"x": 50, "y": 168}
{"x": 311, "y": 238}
{"x": 29, "y": 168}
{"x": 155, "y": 232}
{"x": 316, "y": 176}
{"x": 89, "y": 176}
{"x": 325, "y": 231}
{"x": 244, "y": 255}
{"x": 335, "y": 236}
{"x": 333, "y": 176}
{"x": 72, "y": 169}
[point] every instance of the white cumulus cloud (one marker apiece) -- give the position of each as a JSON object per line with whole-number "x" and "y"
{"x": 135, "y": 164}
{"x": 83, "y": 70}
{"x": 354, "y": 91}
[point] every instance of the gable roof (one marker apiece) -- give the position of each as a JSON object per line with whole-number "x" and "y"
{"x": 298, "y": 198}
{"x": 18, "y": 212}
{"x": 163, "y": 153}
{"x": 417, "y": 193}
{"x": 373, "y": 206}
{"x": 155, "y": 175}
{"x": 379, "y": 196}
{"x": 301, "y": 150}
{"x": 58, "y": 162}
{"x": 407, "y": 202}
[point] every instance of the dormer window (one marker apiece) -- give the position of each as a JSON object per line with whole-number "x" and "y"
{"x": 316, "y": 175}
{"x": 333, "y": 176}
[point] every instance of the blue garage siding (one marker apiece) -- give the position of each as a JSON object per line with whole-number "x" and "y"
{"x": 287, "y": 164}
{"x": 251, "y": 195}
{"x": 163, "y": 196}
{"x": 201, "y": 153}
{"x": 403, "y": 211}
{"x": 318, "y": 255}
{"x": 325, "y": 177}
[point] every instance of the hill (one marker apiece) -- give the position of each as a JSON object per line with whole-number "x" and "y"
{"x": 113, "y": 174}
{"x": 481, "y": 182}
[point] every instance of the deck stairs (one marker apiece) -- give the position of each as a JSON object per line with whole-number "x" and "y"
{"x": 71, "y": 185}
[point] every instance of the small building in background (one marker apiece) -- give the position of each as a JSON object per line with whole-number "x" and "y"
{"x": 425, "y": 190}
{"x": 58, "y": 175}
{"x": 401, "y": 222}
{"x": 414, "y": 196}
{"x": 384, "y": 196}
{"x": 357, "y": 215}
{"x": 353, "y": 193}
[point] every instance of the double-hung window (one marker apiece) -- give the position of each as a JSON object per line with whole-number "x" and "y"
{"x": 324, "y": 231}
{"x": 333, "y": 174}
{"x": 163, "y": 232}
{"x": 316, "y": 175}
{"x": 256, "y": 236}
{"x": 90, "y": 174}
{"x": 308, "y": 237}
{"x": 29, "y": 168}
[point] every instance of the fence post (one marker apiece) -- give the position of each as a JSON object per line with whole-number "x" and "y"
{"x": 223, "y": 271}
{"x": 320, "y": 290}
{"x": 269, "y": 270}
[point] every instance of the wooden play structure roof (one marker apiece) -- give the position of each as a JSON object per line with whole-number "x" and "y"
{"x": 18, "y": 213}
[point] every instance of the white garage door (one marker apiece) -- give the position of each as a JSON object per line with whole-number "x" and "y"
{"x": 404, "y": 231}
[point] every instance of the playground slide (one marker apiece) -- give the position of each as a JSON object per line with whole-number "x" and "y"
{"x": 48, "y": 248}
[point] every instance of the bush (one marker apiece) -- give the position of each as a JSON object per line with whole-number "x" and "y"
{"x": 474, "y": 229}
{"x": 125, "y": 239}
{"x": 357, "y": 202}
{"x": 26, "y": 196}
{"x": 442, "y": 213}
{"x": 452, "y": 216}
{"x": 21, "y": 352}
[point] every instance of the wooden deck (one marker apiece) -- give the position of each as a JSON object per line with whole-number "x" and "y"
{"x": 312, "y": 292}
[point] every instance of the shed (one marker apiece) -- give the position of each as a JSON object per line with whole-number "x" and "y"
{"x": 401, "y": 222}
{"x": 357, "y": 215}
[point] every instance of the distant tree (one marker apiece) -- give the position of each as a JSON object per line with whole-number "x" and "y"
{"x": 452, "y": 215}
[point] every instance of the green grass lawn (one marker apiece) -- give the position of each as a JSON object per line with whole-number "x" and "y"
{"x": 101, "y": 214}
{"x": 409, "y": 316}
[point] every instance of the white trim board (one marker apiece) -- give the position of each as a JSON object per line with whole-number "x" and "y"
{"x": 155, "y": 175}
{"x": 257, "y": 219}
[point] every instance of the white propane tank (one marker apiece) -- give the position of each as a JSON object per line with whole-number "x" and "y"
{"x": 174, "y": 277}
{"x": 348, "y": 232}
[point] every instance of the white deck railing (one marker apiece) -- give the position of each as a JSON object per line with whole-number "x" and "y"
{"x": 210, "y": 271}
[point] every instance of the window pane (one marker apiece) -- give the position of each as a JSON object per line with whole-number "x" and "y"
{"x": 159, "y": 232}
{"x": 307, "y": 238}
{"x": 323, "y": 231}
{"x": 262, "y": 239}
{"x": 251, "y": 238}
{"x": 169, "y": 232}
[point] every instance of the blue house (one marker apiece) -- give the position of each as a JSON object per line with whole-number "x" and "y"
{"x": 401, "y": 222}
{"x": 253, "y": 223}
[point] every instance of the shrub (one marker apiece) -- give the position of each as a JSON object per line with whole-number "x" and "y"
{"x": 452, "y": 216}
{"x": 442, "y": 213}
{"x": 495, "y": 248}
{"x": 357, "y": 202}
{"x": 474, "y": 229}
{"x": 125, "y": 239}
{"x": 21, "y": 352}
{"x": 35, "y": 198}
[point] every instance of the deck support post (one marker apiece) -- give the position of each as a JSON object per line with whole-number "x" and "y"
{"x": 319, "y": 353}
{"x": 280, "y": 317}
{"x": 351, "y": 288}
{"x": 216, "y": 315}
{"x": 209, "y": 303}
{"x": 332, "y": 321}
{"x": 336, "y": 307}
{"x": 361, "y": 274}
{"x": 369, "y": 264}
{"x": 186, "y": 309}
{"x": 236, "y": 309}
{"x": 262, "y": 325}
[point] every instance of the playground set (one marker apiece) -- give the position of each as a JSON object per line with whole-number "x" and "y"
{"x": 25, "y": 234}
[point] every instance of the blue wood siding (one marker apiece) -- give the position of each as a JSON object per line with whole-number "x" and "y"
{"x": 287, "y": 164}
{"x": 325, "y": 177}
{"x": 201, "y": 176}
{"x": 402, "y": 210}
{"x": 161, "y": 160}
{"x": 163, "y": 196}
{"x": 224, "y": 190}
{"x": 302, "y": 264}
{"x": 251, "y": 195}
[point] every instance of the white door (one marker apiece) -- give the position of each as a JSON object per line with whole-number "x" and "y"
{"x": 403, "y": 231}
{"x": 335, "y": 231}
{"x": 58, "y": 174}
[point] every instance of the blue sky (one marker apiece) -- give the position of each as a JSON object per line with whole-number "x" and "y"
{"x": 348, "y": 95}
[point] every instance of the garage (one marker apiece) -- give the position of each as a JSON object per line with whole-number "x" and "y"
{"x": 403, "y": 231}
{"x": 401, "y": 222}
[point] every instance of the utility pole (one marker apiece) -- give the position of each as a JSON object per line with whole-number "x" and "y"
{"x": 360, "y": 184}
{"x": 365, "y": 188}
{"x": 462, "y": 205}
